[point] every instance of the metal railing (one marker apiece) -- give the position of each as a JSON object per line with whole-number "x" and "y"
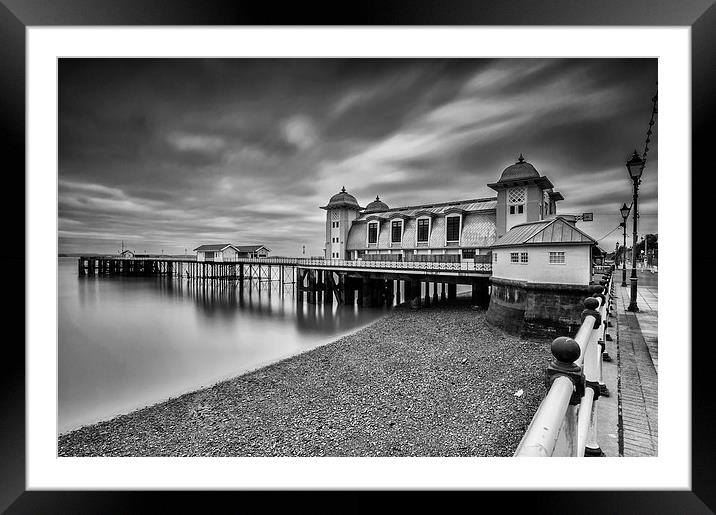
{"x": 602, "y": 269}
{"x": 399, "y": 265}
{"x": 569, "y": 411}
{"x": 339, "y": 263}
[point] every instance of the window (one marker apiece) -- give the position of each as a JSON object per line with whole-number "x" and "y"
{"x": 373, "y": 233}
{"x": 396, "y": 232}
{"x": 208, "y": 255}
{"x": 523, "y": 257}
{"x": 468, "y": 253}
{"x": 514, "y": 257}
{"x": 516, "y": 195}
{"x": 556, "y": 258}
{"x": 423, "y": 230}
{"x": 494, "y": 257}
{"x": 453, "y": 228}
{"x": 516, "y": 200}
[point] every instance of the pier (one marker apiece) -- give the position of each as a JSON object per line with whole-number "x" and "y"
{"x": 321, "y": 281}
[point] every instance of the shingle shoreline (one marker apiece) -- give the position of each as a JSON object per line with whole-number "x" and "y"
{"x": 431, "y": 382}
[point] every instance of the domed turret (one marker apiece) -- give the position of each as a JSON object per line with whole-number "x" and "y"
{"x": 342, "y": 199}
{"x": 376, "y": 206}
{"x": 520, "y": 170}
{"x": 341, "y": 210}
{"x": 523, "y": 195}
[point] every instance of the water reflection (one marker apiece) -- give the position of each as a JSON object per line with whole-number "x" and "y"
{"x": 126, "y": 342}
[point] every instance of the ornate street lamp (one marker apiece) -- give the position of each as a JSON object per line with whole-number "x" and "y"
{"x": 624, "y": 210}
{"x": 636, "y": 167}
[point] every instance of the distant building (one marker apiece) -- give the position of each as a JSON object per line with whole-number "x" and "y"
{"x": 252, "y": 251}
{"x": 223, "y": 252}
{"x": 460, "y": 229}
{"x": 218, "y": 253}
{"x": 126, "y": 254}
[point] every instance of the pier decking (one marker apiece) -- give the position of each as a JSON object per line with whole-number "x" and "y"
{"x": 319, "y": 280}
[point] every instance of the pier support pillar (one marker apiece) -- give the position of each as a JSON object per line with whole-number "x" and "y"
{"x": 452, "y": 292}
{"x": 480, "y": 294}
{"x": 367, "y": 293}
{"x": 443, "y": 295}
{"x": 389, "y": 292}
{"x": 348, "y": 290}
{"x": 427, "y": 294}
{"x": 329, "y": 287}
{"x": 435, "y": 294}
{"x": 414, "y": 293}
{"x": 311, "y": 294}
{"x": 397, "y": 292}
{"x": 359, "y": 290}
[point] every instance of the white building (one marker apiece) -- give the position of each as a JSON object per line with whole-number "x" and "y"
{"x": 545, "y": 251}
{"x": 223, "y": 252}
{"x": 445, "y": 231}
{"x": 252, "y": 251}
{"x": 218, "y": 253}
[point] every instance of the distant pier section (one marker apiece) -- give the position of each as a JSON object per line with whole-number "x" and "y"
{"x": 321, "y": 281}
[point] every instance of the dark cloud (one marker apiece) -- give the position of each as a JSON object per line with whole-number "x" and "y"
{"x": 171, "y": 153}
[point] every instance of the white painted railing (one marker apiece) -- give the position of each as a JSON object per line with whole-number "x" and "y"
{"x": 344, "y": 263}
{"x": 569, "y": 410}
{"x": 398, "y": 265}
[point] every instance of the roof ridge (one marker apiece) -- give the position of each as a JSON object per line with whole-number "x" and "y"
{"x": 439, "y": 204}
{"x": 534, "y": 222}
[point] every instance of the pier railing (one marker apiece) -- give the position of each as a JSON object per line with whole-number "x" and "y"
{"x": 398, "y": 265}
{"x": 566, "y": 421}
{"x": 173, "y": 266}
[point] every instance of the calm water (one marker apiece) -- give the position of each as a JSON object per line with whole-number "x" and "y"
{"x": 128, "y": 342}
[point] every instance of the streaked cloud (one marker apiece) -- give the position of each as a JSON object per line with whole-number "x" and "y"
{"x": 169, "y": 154}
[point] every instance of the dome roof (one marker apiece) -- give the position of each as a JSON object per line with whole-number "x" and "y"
{"x": 376, "y": 205}
{"x": 342, "y": 199}
{"x": 520, "y": 170}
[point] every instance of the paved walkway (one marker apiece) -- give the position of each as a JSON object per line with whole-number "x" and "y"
{"x": 635, "y": 339}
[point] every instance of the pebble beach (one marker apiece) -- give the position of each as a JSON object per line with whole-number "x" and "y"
{"x": 436, "y": 381}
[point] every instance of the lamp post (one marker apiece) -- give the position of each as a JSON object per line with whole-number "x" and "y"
{"x": 635, "y": 166}
{"x": 624, "y": 210}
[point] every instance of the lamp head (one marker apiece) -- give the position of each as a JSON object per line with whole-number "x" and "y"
{"x": 635, "y": 166}
{"x": 624, "y": 210}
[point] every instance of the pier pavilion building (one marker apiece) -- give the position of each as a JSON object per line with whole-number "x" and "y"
{"x": 461, "y": 230}
{"x": 228, "y": 252}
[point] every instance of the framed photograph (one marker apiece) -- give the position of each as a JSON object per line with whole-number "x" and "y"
{"x": 403, "y": 251}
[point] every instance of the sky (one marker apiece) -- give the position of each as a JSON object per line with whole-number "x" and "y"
{"x": 169, "y": 154}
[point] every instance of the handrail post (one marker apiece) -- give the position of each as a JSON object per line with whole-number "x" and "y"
{"x": 557, "y": 413}
{"x": 593, "y": 370}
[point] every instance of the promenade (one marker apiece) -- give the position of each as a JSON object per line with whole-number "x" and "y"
{"x": 628, "y": 423}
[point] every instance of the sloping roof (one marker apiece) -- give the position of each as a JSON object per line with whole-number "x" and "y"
{"x": 480, "y": 204}
{"x": 250, "y": 248}
{"x": 478, "y": 230}
{"x": 544, "y": 232}
{"x": 210, "y": 248}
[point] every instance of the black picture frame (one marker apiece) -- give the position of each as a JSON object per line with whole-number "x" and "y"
{"x": 17, "y": 15}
